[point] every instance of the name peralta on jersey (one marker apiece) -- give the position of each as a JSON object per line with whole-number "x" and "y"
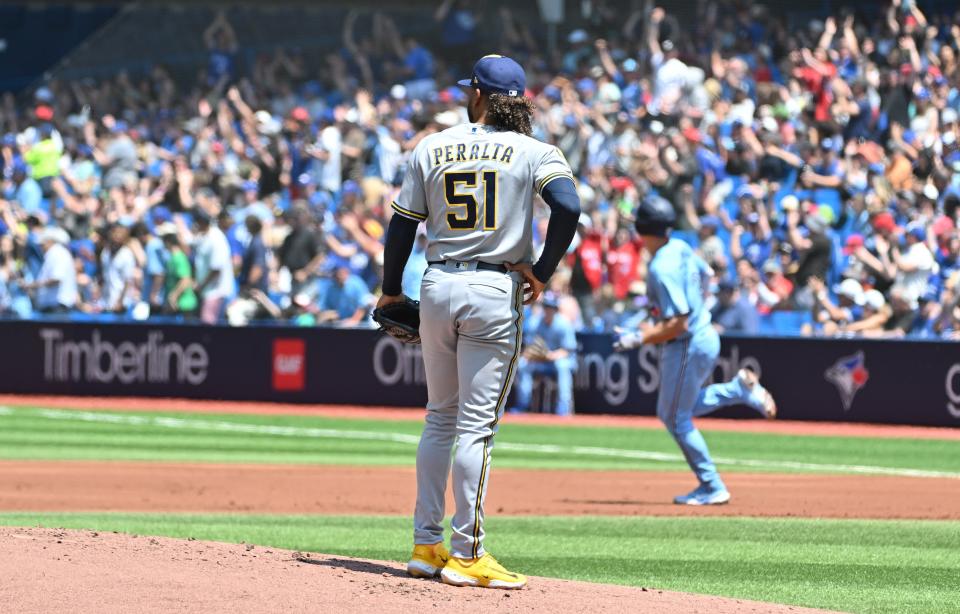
{"x": 473, "y": 186}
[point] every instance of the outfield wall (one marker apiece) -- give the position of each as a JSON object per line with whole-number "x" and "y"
{"x": 902, "y": 382}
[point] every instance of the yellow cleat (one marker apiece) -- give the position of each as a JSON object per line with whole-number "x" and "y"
{"x": 485, "y": 572}
{"x": 427, "y": 560}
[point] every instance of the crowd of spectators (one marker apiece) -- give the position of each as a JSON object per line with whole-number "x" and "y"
{"x": 815, "y": 166}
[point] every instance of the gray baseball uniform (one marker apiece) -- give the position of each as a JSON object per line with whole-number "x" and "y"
{"x": 473, "y": 186}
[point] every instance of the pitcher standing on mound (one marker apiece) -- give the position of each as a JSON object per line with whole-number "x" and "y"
{"x": 473, "y": 186}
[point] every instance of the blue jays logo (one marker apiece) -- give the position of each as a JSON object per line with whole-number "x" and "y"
{"x": 849, "y": 375}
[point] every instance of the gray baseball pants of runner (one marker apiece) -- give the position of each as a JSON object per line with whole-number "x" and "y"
{"x": 470, "y": 326}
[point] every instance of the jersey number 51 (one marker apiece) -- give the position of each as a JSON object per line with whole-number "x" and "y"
{"x": 463, "y": 207}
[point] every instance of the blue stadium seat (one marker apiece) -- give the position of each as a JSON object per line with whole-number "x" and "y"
{"x": 80, "y": 316}
{"x": 784, "y": 322}
{"x": 766, "y": 325}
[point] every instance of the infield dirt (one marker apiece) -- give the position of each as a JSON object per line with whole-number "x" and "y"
{"x": 47, "y": 570}
{"x": 51, "y": 570}
{"x": 299, "y": 489}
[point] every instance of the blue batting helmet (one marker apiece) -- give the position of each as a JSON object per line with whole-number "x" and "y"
{"x": 655, "y": 216}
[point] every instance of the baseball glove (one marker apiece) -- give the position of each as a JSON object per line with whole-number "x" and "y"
{"x": 400, "y": 320}
{"x": 537, "y": 351}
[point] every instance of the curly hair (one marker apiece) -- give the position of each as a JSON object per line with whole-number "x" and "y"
{"x": 512, "y": 113}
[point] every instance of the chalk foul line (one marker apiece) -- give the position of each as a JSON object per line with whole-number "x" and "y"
{"x": 402, "y": 438}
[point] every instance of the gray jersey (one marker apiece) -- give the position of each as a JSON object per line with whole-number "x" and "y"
{"x": 473, "y": 185}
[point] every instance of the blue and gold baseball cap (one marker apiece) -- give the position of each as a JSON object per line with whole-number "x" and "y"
{"x": 497, "y": 74}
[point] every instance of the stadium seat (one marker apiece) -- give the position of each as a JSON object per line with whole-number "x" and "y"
{"x": 785, "y": 323}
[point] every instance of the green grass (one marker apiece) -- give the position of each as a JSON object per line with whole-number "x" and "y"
{"x": 848, "y": 565}
{"x": 60, "y": 435}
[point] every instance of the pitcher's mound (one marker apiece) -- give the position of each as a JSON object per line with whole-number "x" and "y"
{"x": 50, "y": 570}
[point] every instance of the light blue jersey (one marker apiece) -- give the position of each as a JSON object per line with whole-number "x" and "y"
{"x": 675, "y": 285}
{"x": 558, "y": 334}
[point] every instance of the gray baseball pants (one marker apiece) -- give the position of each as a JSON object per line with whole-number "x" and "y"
{"x": 470, "y": 326}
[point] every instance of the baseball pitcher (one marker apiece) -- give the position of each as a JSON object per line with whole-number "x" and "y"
{"x": 473, "y": 187}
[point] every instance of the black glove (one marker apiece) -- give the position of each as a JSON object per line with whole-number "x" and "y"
{"x": 400, "y": 320}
